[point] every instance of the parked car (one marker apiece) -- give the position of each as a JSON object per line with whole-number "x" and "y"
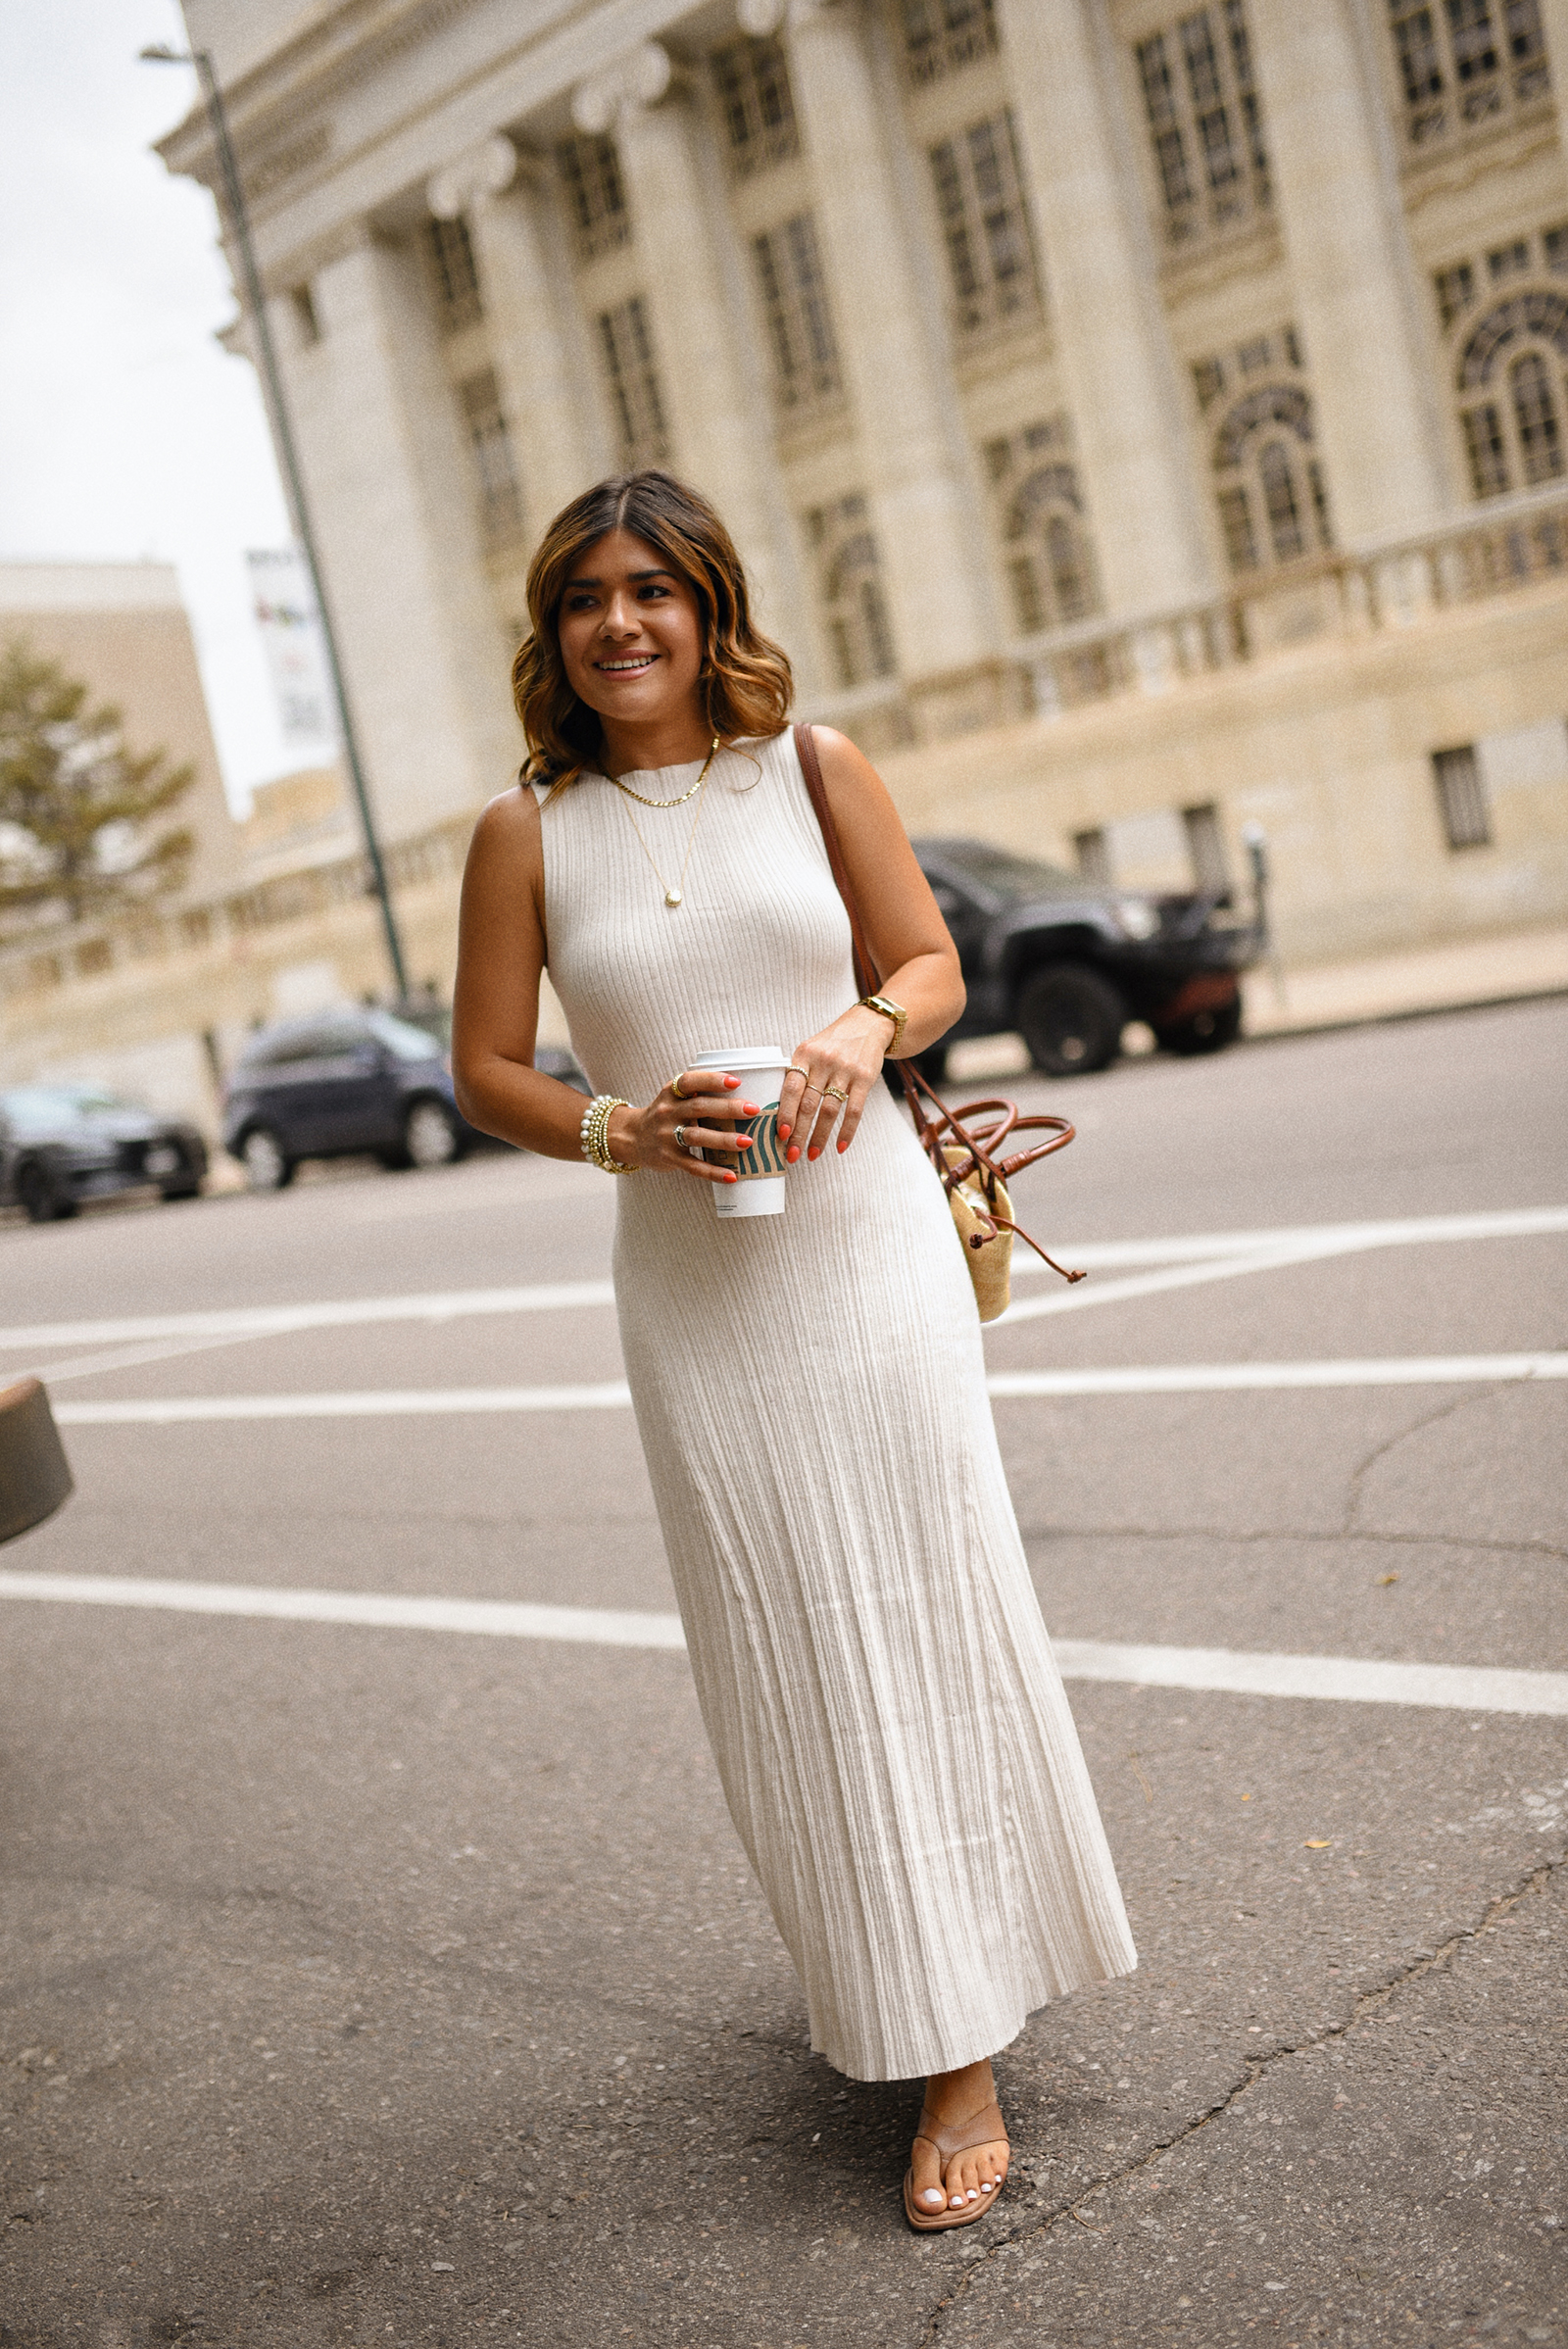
{"x": 342, "y": 1082}
{"x": 1067, "y": 963}
{"x": 63, "y": 1144}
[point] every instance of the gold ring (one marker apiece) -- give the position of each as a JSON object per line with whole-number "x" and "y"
{"x": 794, "y": 1071}
{"x": 833, "y": 1092}
{"x": 674, "y": 1085}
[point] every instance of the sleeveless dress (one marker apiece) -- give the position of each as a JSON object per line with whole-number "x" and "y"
{"x": 890, "y": 1728}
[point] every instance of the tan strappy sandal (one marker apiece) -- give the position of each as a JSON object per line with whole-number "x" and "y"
{"x": 984, "y": 2128}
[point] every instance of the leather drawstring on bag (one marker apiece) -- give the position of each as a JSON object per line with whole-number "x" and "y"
{"x": 962, "y": 1151}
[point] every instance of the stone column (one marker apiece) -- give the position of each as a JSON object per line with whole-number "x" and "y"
{"x": 394, "y": 504}
{"x": 716, "y": 409}
{"x": 1355, "y": 301}
{"x": 542, "y": 394}
{"x": 1129, "y": 413}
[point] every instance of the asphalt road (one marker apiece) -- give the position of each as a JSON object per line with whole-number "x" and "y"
{"x": 395, "y": 1984}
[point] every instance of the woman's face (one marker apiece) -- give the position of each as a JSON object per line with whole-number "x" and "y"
{"x": 630, "y": 631}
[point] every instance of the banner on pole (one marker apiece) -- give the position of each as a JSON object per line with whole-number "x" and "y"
{"x": 290, "y": 623}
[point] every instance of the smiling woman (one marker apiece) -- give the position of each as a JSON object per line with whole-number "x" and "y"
{"x": 692, "y": 608}
{"x": 888, "y": 1721}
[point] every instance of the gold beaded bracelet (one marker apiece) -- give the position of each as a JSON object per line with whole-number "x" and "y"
{"x": 593, "y": 1134}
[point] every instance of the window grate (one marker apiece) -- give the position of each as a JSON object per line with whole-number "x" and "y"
{"x": 848, "y": 573}
{"x": 800, "y": 324}
{"x": 1465, "y": 64}
{"x": 632, "y": 382}
{"x": 1462, "y": 798}
{"x": 454, "y": 275}
{"x": 985, "y": 227}
{"x": 490, "y": 446}
{"x": 595, "y": 195}
{"x": 1205, "y": 125}
{"x": 752, "y": 83}
{"x": 943, "y": 36}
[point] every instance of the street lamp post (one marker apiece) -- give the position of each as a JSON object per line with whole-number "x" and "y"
{"x": 161, "y": 53}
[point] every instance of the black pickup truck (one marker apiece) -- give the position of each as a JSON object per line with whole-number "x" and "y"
{"x": 1066, "y": 964}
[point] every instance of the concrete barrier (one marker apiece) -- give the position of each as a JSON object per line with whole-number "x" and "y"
{"x": 34, "y": 1473}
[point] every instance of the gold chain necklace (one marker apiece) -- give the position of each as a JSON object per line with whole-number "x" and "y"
{"x": 684, "y": 796}
{"x": 674, "y": 892}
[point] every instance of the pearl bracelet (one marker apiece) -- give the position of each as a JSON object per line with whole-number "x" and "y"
{"x": 593, "y": 1134}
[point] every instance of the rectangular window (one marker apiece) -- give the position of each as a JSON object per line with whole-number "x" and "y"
{"x": 1204, "y": 123}
{"x": 985, "y": 223}
{"x": 1092, "y": 851}
{"x": 1461, "y": 797}
{"x": 849, "y": 572}
{"x": 1466, "y": 64}
{"x": 490, "y": 444}
{"x": 1456, "y": 291}
{"x": 595, "y": 195}
{"x": 1205, "y": 848}
{"x": 454, "y": 275}
{"x": 943, "y": 36}
{"x": 1235, "y": 520}
{"x": 632, "y": 382}
{"x": 1487, "y": 451}
{"x": 1510, "y": 261}
{"x": 753, "y": 82}
{"x": 800, "y": 326}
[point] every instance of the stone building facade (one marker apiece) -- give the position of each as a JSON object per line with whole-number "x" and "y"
{"x": 1137, "y": 416}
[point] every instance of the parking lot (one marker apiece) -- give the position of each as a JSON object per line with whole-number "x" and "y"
{"x": 378, "y": 1962}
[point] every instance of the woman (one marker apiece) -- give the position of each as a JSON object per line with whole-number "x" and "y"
{"x": 884, "y": 1709}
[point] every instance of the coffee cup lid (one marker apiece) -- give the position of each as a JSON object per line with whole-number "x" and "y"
{"x": 744, "y": 1055}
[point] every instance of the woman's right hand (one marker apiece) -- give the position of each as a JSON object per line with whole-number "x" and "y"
{"x": 648, "y": 1137}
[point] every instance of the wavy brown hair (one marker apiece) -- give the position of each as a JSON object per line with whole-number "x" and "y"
{"x": 744, "y": 680}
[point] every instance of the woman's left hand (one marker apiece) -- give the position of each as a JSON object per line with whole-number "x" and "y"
{"x": 830, "y": 1078}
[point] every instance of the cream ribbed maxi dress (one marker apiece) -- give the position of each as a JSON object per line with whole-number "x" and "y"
{"x": 888, "y": 1721}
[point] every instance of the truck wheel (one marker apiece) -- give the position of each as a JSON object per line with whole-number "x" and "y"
{"x": 1071, "y": 1020}
{"x": 1202, "y": 1031}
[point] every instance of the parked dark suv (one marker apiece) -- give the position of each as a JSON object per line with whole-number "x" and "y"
{"x": 1067, "y": 963}
{"x": 342, "y": 1082}
{"x": 63, "y": 1144}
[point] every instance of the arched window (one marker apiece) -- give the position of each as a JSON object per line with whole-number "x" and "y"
{"x": 1050, "y": 566}
{"x": 1272, "y": 506}
{"x": 1511, "y": 379}
{"x": 850, "y": 586}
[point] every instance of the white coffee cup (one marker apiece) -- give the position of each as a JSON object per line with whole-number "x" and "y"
{"x": 759, "y": 1187}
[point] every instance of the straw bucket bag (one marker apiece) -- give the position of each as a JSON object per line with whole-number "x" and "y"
{"x": 962, "y": 1144}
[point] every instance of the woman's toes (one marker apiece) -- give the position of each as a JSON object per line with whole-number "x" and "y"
{"x": 933, "y": 2198}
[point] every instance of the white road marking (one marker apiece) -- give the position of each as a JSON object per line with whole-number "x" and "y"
{"x": 336, "y": 1313}
{"x": 1222, "y": 1378}
{"x": 1353, "y": 1679}
{"x": 1191, "y": 1378}
{"x": 1239, "y": 1248}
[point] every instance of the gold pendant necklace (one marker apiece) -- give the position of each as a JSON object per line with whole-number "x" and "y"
{"x": 675, "y": 891}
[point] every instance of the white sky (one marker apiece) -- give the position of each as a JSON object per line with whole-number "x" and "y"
{"x": 126, "y": 431}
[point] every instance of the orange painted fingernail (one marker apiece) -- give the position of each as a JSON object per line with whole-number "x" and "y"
{"x": 750, "y": 1109}
{"x": 730, "y": 1084}
{"x": 730, "y": 1178}
{"x": 790, "y": 1155}
{"x": 785, "y": 1132}
{"x": 813, "y": 1151}
{"x": 843, "y": 1147}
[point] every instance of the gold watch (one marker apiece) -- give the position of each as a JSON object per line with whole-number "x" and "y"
{"x": 889, "y": 1011}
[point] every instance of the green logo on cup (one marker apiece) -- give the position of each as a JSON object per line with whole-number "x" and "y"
{"x": 765, "y": 1155}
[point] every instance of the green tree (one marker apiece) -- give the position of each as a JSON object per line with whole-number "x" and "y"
{"x": 79, "y": 810}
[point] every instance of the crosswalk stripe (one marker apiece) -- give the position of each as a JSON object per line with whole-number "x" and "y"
{"x": 613, "y": 1394}
{"x": 1353, "y": 1679}
{"x": 1295, "y": 1241}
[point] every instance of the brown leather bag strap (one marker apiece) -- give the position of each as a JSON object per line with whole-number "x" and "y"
{"x": 866, "y": 975}
{"x": 946, "y": 1129}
